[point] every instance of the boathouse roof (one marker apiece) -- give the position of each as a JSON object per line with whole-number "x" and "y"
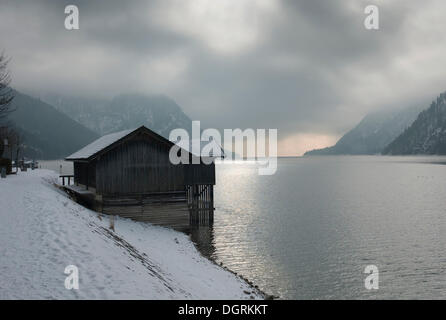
{"x": 108, "y": 141}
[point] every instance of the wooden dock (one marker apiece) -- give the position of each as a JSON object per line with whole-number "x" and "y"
{"x": 178, "y": 209}
{"x": 167, "y": 209}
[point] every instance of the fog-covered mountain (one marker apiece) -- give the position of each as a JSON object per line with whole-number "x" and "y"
{"x": 427, "y": 134}
{"x": 373, "y": 133}
{"x": 47, "y": 132}
{"x": 126, "y": 111}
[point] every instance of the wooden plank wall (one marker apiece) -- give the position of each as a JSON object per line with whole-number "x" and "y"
{"x": 138, "y": 166}
{"x": 167, "y": 209}
{"x": 79, "y": 174}
{"x": 199, "y": 174}
{"x": 179, "y": 210}
{"x": 91, "y": 169}
{"x": 85, "y": 173}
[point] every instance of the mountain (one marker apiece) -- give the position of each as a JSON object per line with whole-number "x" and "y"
{"x": 126, "y": 111}
{"x": 427, "y": 134}
{"x": 48, "y": 133}
{"x": 373, "y": 133}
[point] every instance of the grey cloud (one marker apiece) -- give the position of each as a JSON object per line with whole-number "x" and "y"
{"x": 313, "y": 68}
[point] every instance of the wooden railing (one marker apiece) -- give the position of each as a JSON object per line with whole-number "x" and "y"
{"x": 68, "y": 176}
{"x": 200, "y": 200}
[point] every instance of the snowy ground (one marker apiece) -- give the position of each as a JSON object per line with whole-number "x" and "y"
{"x": 42, "y": 231}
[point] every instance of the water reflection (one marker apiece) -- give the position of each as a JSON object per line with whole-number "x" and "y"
{"x": 309, "y": 231}
{"x": 203, "y": 238}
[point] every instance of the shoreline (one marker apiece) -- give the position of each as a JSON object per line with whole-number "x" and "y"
{"x": 251, "y": 284}
{"x": 53, "y": 165}
{"x": 137, "y": 261}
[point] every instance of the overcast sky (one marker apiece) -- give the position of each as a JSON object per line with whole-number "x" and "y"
{"x": 308, "y": 68}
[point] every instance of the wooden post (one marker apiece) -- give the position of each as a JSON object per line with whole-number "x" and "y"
{"x": 211, "y": 205}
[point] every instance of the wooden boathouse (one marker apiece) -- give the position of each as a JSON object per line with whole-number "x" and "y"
{"x": 129, "y": 174}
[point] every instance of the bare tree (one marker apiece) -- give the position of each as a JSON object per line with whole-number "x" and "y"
{"x": 7, "y": 140}
{"x": 18, "y": 148}
{"x": 14, "y": 144}
{"x": 11, "y": 144}
{"x": 6, "y": 93}
{"x": 3, "y": 139}
{"x": 6, "y": 96}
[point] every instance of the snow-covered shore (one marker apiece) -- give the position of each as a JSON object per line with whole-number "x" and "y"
{"x": 42, "y": 231}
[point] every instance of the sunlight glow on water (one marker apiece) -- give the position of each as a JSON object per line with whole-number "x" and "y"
{"x": 310, "y": 230}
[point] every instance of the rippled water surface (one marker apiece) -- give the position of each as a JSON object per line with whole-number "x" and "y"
{"x": 309, "y": 231}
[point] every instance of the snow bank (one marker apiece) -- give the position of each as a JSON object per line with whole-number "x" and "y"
{"x": 42, "y": 231}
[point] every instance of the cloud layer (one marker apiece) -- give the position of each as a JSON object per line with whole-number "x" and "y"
{"x": 307, "y": 68}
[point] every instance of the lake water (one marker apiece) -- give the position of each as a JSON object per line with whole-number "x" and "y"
{"x": 60, "y": 166}
{"x": 309, "y": 231}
